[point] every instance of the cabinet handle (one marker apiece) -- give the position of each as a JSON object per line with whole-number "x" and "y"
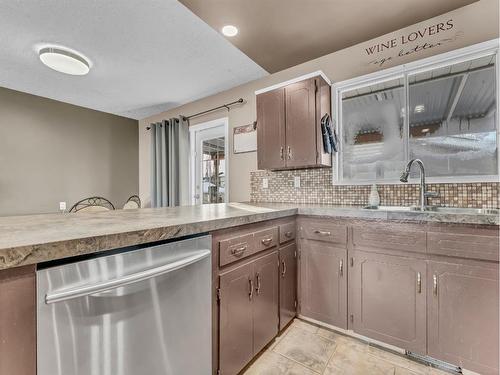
{"x": 281, "y": 152}
{"x": 435, "y": 284}
{"x": 238, "y": 251}
{"x": 250, "y": 285}
{"x": 323, "y": 233}
{"x": 283, "y": 271}
{"x": 352, "y": 262}
{"x": 341, "y": 267}
{"x": 267, "y": 241}
{"x": 419, "y": 282}
{"x": 289, "y": 153}
{"x": 257, "y": 276}
{"x": 288, "y": 234}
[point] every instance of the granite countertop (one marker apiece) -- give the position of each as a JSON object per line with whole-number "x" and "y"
{"x": 38, "y": 238}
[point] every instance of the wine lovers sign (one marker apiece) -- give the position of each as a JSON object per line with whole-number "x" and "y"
{"x": 426, "y": 38}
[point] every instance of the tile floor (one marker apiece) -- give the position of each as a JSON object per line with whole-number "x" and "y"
{"x": 304, "y": 349}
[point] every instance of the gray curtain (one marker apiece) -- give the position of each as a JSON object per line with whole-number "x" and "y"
{"x": 170, "y": 163}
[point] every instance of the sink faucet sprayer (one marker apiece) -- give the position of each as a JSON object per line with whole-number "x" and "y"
{"x": 424, "y": 194}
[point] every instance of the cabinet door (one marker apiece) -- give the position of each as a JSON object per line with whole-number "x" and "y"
{"x": 288, "y": 284}
{"x": 463, "y": 315}
{"x": 235, "y": 325}
{"x": 388, "y": 299}
{"x": 265, "y": 302}
{"x": 17, "y": 321}
{"x": 323, "y": 282}
{"x": 301, "y": 124}
{"x": 271, "y": 129}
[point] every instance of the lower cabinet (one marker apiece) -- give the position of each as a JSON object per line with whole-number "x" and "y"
{"x": 463, "y": 315}
{"x": 388, "y": 299}
{"x": 18, "y": 321}
{"x": 323, "y": 282}
{"x": 248, "y": 311}
{"x": 288, "y": 283}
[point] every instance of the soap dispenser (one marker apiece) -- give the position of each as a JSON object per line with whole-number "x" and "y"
{"x": 374, "y": 198}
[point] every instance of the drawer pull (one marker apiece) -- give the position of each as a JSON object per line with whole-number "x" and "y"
{"x": 257, "y": 289}
{"x": 283, "y": 269}
{"x": 250, "y": 292}
{"x": 341, "y": 267}
{"x": 238, "y": 251}
{"x": 323, "y": 233}
{"x": 419, "y": 282}
{"x": 288, "y": 234}
{"x": 435, "y": 284}
{"x": 267, "y": 241}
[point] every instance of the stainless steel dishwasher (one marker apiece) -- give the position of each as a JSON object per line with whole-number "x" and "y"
{"x": 144, "y": 311}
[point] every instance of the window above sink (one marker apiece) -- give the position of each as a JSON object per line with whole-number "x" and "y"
{"x": 443, "y": 110}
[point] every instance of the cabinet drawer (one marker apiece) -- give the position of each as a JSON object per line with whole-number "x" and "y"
{"x": 287, "y": 232}
{"x": 392, "y": 237}
{"x": 472, "y": 246}
{"x": 265, "y": 239}
{"x": 322, "y": 230}
{"x": 236, "y": 248}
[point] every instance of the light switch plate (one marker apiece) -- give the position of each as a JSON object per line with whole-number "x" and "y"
{"x": 62, "y": 206}
{"x": 296, "y": 182}
{"x": 265, "y": 183}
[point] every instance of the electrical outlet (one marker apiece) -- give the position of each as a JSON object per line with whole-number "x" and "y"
{"x": 265, "y": 183}
{"x": 62, "y": 206}
{"x": 296, "y": 182}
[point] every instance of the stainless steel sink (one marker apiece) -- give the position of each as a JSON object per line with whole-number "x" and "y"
{"x": 444, "y": 210}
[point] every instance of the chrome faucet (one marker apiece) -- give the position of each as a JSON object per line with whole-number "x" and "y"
{"x": 424, "y": 194}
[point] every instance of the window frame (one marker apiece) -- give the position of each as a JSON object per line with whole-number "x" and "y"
{"x": 489, "y": 48}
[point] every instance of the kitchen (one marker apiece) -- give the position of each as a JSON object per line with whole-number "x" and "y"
{"x": 326, "y": 207}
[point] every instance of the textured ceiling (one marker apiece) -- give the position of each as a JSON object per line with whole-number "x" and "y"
{"x": 278, "y": 34}
{"x": 148, "y": 56}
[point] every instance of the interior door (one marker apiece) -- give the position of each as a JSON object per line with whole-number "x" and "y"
{"x": 265, "y": 318}
{"x": 463, "y": 315}
{"x": 210, "y": 166}
{"x": 236, "y": 325}
{"x": 389, "y": 299}
{"x": 301, "y": 123}
{"x": 323, "y": 283}
{"x": 271, "y": 129}
{"x": 288, "y": 284}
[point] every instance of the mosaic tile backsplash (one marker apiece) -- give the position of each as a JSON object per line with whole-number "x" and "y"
{"x": 316, "y": 187}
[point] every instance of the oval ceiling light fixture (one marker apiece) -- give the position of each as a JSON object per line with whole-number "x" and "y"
{"x": 229, "y": 30}
{"x": 64, "y": 61}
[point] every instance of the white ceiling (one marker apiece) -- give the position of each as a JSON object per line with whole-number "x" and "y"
{"x": 148, "y": 56}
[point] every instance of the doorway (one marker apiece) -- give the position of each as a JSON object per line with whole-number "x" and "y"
{"x": 209, "y": 149}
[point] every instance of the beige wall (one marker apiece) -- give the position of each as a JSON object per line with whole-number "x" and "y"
{"x": 475, "y": 23}
{"x": 52, "y": 151}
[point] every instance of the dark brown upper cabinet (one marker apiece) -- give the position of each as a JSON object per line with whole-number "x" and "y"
{"x": 289, "y": 125}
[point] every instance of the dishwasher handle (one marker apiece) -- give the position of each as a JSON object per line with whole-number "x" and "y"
{"x": 103, "y": 286}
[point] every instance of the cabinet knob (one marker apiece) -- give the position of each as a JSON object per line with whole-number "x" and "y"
{"x": 267, "y": 241}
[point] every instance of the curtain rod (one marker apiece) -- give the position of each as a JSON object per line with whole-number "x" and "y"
{"x": 239, "y": 101}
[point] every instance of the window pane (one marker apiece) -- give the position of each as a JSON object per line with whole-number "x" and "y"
{"x": 214, "y": 170}
{"x": 453, "y": 117}
{"x": 372, "y": 132}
